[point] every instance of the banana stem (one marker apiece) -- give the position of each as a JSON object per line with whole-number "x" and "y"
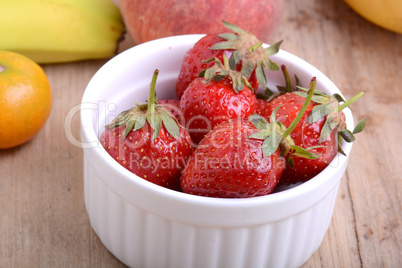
{"x": 303, "y": 108}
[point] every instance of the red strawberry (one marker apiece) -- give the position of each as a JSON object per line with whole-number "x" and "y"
{"x": 305, "y": 135}
{"x": 173, "y": 106}
{"x": 240, "y": 158}
{"x": 262, "y": 108}
{"x": 248, "y": 56}
{"x": 317, "y": 131}
{"x": 170, "y": 104}
{"x": 149, "y": 142}
{"x": 229, "y": 164}
{"x": 223, "y": 94}
{"x": 193, "y": 61}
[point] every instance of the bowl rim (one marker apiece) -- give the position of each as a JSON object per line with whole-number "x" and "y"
{"x": 309, "y": 190}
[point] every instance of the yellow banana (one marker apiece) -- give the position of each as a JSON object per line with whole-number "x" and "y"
{"x": 384, "y": 13}
{"x": 50, "y": 31}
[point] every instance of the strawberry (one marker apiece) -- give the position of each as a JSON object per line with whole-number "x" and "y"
{"x": 249, "y": 56}
{"x": 228, "y": 164}
{"x": 221, "y": 95}
{"x": 173, "y": 106}
{"x": 149, "y": 142}
{"x": 261, "y": 108}
{"x": 305, "y": 135}
{"x": 240, "y": 158}
{"x": 193, "y": 62}
{"x": 317, "y": 131}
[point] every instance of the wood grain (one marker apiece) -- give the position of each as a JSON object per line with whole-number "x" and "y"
{"x": 43, "y": 221}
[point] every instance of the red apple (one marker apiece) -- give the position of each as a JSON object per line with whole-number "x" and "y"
{"x": 153, "y": 19}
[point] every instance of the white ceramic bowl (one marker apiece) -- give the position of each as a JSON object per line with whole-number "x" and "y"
{"x": 145, "y": 225}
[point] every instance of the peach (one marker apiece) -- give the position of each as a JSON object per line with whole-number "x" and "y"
{"x": 153, "y": 19}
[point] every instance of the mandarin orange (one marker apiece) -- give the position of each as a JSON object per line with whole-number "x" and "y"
{"x": 25, "y": 99}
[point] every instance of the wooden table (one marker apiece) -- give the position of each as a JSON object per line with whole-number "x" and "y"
{"x": 43, "y": 221}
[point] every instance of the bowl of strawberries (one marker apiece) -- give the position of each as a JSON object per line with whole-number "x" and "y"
{"x": 213, "y": 150}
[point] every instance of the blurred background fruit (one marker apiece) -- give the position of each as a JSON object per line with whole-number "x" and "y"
{"x": 152, "y": 19}
{"x": 25, "y": 99}
{"x": 51, "y": 31}
{"x": 384, "y": 13}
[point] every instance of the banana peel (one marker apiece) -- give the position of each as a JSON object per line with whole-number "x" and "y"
{"x": 53, "y": 31}
{"x": 384, "y": 13}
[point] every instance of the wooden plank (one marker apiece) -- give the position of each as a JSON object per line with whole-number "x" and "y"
{"x": 44, "y": 222}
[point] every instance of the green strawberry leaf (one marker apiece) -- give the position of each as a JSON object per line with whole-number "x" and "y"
{"x": 272, "y": 117}
{"x": 247, "y": 68}
{"x": 271, "y": 144}
{"x": 129, "y": 127}
{"x": 155, "y": 122}
{"x": 258, "y": 121}
{"x": 225, "y": 44}
{"x": 120, "y": 120}
{"x": 301, "y": 152}
{"x": 233, "y": 27}
{"x": 338, "y": 97}
{"x": 340, "y": 150}
{"x": 140, "y": 122}
{"x": 314, "y": 147}
{"x": 202, "y": 73}
{"x": 170, "y": 125}
{"x": 228, "y": 36}
{"x": 233, "y": 61}
{"x": 319, "y": 111}
{"x": 302, "y": 94}
{"x": 236, "y": 58}
{"x": 260, "y": 135}
{"x": 317, "y": 92}
{"x": 360, "y": 126}
{"x": 330, "y": 124}
{"x": 260, "y": 74}
{"x": 318, "y": 98}
{"x": 273, "y": 49}
{"x": 347, "y": 135}
{"x": 272, "y": 65}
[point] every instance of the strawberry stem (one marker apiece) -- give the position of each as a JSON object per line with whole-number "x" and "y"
{"x": 287, "y": 78}
{"x": 350, "y": 101}
{"x": 303, "y": 108}
{"x": 152, "y": 98}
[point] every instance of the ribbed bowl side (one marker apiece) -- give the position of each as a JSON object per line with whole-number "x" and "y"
{"x": 142, "y": 239}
